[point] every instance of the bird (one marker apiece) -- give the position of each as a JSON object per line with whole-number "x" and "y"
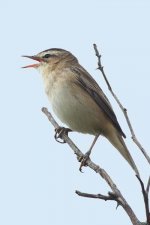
{"x": 77, "y": 99}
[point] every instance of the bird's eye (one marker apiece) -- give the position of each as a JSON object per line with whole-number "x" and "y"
{"x": 47, "y": 56}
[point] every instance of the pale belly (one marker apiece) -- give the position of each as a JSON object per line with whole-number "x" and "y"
{"x": 77, "y": 110}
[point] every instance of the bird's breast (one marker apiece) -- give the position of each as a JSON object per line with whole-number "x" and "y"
{"x": 73, "y": 106}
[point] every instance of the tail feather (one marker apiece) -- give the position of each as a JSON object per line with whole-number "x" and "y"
{"x": 118, "y": 142}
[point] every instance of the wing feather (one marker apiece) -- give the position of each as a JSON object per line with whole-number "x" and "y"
{"x": 93, "y": 89}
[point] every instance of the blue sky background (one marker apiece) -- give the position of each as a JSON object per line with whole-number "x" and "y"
{"x": 39, "y": 176}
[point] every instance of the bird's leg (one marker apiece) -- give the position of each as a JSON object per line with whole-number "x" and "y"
{"x": 87, "y": 154}
{"x": 59, "y": 132}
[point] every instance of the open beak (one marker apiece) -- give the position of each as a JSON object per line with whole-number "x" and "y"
{"x": 34, "y": 57}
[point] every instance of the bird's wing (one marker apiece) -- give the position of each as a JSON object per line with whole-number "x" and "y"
{"x": 92, "y": 88}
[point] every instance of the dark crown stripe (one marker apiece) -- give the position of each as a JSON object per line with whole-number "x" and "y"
{"x": 55, "y": 49}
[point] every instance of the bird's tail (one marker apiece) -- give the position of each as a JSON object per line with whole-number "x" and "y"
{"x": 118, "y": 142}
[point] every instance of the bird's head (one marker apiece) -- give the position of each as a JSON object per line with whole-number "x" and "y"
{"x": 50, "y": 58}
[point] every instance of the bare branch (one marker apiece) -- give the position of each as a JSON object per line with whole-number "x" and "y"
{"x": 98, "y": 170}
{"x": 110, "y": 196}
{"x": 145, "y": 196}
{"x": 148, "y": 186}
{"x": 124, "y": 110}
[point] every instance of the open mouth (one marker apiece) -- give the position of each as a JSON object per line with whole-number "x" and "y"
{"x": 36, "y": 58}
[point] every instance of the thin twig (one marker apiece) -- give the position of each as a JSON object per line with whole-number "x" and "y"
{"x": 145, "y": 197}
{"x": 110, "y": 196}
{"x": 98, "y": 170}
{"x": 148, "y": 186}
{"x": 124, "y": 110}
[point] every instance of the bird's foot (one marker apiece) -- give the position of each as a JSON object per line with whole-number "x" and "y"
{"x": 59, "y": 132}
{"x": 83, "y": 160}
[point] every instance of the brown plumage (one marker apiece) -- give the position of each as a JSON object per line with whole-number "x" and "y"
{"x": 77, "y": 99}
